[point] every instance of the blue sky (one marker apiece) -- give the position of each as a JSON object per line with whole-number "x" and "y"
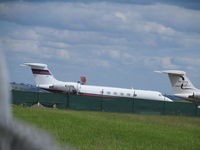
{"x": 113, "y": 43}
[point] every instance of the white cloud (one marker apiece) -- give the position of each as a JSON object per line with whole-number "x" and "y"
{"x": 167, "y": 63}
{"x": 178, "y": 18}
{"x": 121, "y": 16}
{"x": 102, "y": 63}
{"x": 102, "y": 33}
{"x": 33, "y": 48}
{"x": 24, "y": 34}
{"x": 153, "y": 62}
{"x": 157, "y": 28}
{"x": 190, "y": 41}
{"x": 107, "y": 52}
{"x": 63, "y": 54}
{"x": 114, "y": 53}
{"x": 94, "y": 16}
{"x": 140, "y": 26}
{"x": 189, "y": 61}
{"x": 27, "y": 46}
{"x": 57, "y": 45}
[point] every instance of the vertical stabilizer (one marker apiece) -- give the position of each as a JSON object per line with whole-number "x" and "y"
{"x": 41, "y": 74}
{"x": 179, "y": 81}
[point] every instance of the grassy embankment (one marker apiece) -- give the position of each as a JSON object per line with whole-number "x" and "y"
{"x": 113, "y": 131}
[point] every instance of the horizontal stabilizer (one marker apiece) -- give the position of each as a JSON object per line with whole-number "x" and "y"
{"x": 35, "y": 65}
{"x": 175, "y": 72}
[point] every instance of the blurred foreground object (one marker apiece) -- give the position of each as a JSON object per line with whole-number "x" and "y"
{"x": 13, "y": 134}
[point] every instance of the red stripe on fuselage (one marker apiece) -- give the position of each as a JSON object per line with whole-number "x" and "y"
{"x": 96, "y": 95}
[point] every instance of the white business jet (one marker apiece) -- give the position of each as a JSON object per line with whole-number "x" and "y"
{"x": 182, "y": 86}
{"x": 45, "y": 80}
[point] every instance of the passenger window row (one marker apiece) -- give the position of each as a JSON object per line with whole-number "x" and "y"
{"x": 122, "y": 94}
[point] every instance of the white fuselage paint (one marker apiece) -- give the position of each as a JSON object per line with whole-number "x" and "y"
{"x": 44, "y": 79}
{"x": 104, "y": 91}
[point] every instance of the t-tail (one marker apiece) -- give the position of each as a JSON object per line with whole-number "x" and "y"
{"x": 45, "y": 80}
{"x": 181, "y": 85}
{"x": 42, "y": 75}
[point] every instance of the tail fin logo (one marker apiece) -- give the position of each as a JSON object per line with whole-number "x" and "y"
{"x": 40, "y": 71}
{"x": 182, "y": 83}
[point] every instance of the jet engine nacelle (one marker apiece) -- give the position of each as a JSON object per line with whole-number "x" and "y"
{"x": 196, "y": 95}
{"x": 64, "y": 88}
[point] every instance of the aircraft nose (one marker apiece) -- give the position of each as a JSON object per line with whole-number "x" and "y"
{"x": 167, "y": 99}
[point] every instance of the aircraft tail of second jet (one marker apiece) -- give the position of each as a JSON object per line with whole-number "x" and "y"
{"x": 41, "y": 74}
{"x": 179, "y": 81}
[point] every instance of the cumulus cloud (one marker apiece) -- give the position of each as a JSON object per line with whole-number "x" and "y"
{"x": 121, "y": 16}
{"x": 188, "y": 61}
{"x": 108, "y": 35}
{"x": 153, "y": 27}
{"x": 114, "y": 53}
{"x": 20, "y": 45}
{"x": 94, "y": 16}
{"x": 63, "y": 54}
{"x": 111, "y": 53}
{"x": 167, "y": 63}
{"x": 104, "y": 24}
{"x": 101, "y": 62}
{"x": 24, "y": 34}
{"x": 57, "y": 45}
{"x": 178, "y": 18}
{"x": 154, "y": 62}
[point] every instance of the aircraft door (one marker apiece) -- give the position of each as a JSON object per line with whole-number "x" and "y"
{"x": 134, "y": 94}
{"x": 78, "y": 87}
{"x": 102, "y": 92}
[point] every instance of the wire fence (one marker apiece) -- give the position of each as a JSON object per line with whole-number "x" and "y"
{"x": 124, "y": 105}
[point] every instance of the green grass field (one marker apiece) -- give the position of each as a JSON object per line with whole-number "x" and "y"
{"x": 113, "y": 131}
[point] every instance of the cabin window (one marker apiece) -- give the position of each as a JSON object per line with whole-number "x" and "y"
{"x": 122, "y": 94}
{"x": 108, "y": 92}
{"x": 128, "y": 94}
{"x": 115, "y": 93}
